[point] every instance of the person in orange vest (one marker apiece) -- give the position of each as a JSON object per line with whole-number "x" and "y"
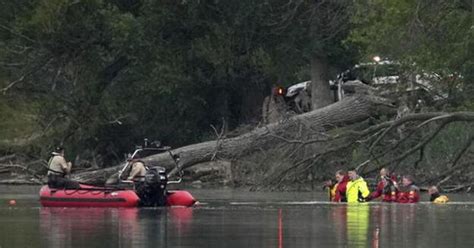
{"x": 436, "y": 197}
{"x": 387, "y": 187}
{"x": 409, "y": 192}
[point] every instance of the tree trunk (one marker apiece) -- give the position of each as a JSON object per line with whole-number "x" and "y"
{"x": 350, "y": 110}
{"x": 320, "y": 92}
{"x": 97, "y": 177}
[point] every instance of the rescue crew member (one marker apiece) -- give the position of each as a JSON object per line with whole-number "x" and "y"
{"x": 409, "y": 192}
{"x": 137, "y": 170}
{"x": 331, "y": 188}
{"x": 58, "y": 168}
{"x": 135, "y": 173}
{"x": 337, "y": 192}
{"x": 436, "y": 197}
{"x": 387, "y": 187}
{"x": 341, "y": 186}
{"x": 357, "y": 190}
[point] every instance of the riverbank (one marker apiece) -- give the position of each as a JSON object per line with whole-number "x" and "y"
{"x": 241, "y": 175}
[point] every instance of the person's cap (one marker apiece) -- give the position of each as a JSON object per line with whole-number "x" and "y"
{"x": 58, "y": 149}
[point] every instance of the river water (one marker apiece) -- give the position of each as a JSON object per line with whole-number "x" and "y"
{"x": 235, "y": 218}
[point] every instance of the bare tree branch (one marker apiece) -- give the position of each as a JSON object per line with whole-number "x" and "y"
{"x": 454, "y": 164}
{"x": 22, "y": 78}
{"x": 17, "y": 34}
{"x": 219, "y": 138}
{"x": 26, "y": 169}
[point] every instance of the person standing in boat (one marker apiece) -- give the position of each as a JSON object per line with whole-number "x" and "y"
{"x": 387, "y": 187}
{"x": 409, "y": 192}
{"x": 356, "y": 189}
{"x": 58, "y": 169}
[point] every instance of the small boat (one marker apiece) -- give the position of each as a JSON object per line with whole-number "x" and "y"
{"x": 90, "y": 196}
{"x": 152, "y": 191}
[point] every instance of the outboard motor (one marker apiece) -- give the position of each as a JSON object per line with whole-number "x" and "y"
{"x": 152, "y": 191}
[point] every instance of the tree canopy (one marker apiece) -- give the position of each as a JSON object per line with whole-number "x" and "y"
{"x": 100, "y": 75}
{"x": 435, "y": 37}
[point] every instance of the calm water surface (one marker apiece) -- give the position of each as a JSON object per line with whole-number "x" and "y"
{"x": 229, "y": 218}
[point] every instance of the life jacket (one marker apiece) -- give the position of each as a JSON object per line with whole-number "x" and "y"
{"x": 439, "y": 199}
{"x": 389, "y": 191}
{"x": 386, "y": 189}
{"x": 340, "y": 190}
{"x": 402, "y": 197}
{"x": 410, "y": 194}
{"x": 55, "y": 172}
{"x": 332, "y": 192}
{"x": 393, "y": 196}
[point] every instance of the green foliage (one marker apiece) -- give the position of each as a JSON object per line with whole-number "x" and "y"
{"x": 100, "y": 75}
{"x": 106, "y": 73}
{"x": 433, "y": 37}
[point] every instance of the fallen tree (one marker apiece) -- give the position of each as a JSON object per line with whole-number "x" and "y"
{"x": 291, "y": 150}
{"x": 350, "y": 110}
{"x": 362, "y": 130}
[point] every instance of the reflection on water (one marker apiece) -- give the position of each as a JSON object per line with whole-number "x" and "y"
{"x": 269, "y": 222}
{"x": 357, "y": 225}
{"x": 127, "y": 227}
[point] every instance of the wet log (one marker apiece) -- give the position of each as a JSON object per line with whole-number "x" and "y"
{"x": 350, "y": 110}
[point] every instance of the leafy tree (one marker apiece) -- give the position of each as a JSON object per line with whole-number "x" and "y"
{"x": 99, "y": 75}
{"x": 434, "y": 37}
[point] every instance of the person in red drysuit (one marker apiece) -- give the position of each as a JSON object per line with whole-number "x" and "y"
{"x": 337, "y": 191}
{"x": 387, "y": 187}
{"x": 409, "y": 192}
{"x": 340, "y": 187}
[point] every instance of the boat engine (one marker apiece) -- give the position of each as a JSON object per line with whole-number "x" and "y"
{"x": 152, "y": 191}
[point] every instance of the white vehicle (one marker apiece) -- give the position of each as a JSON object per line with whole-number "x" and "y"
{"x": 295, "y": 89}
{"x": 382, "y": 74}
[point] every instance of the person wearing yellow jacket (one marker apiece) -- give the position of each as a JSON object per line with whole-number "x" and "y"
{"x": 357, "y": 190}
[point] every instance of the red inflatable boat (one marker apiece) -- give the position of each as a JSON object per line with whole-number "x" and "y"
{"x": 90, "y": 196}
{"x": 152, "y": 191}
